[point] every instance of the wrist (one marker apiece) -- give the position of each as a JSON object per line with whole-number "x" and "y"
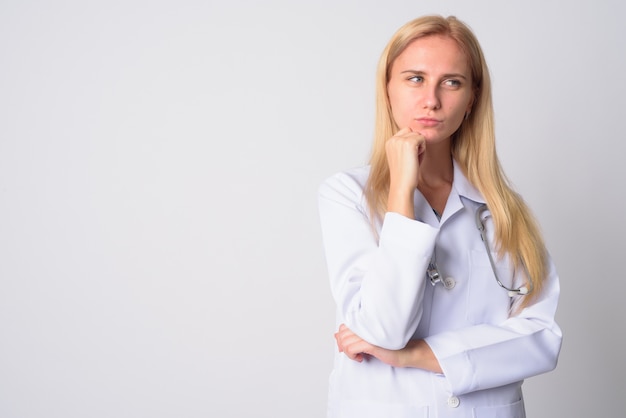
{"x": 412, "y": 354}
{"x": 402, "y": 203}
{"x": 419, "y": 355}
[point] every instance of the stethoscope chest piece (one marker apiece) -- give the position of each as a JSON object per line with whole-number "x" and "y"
{"x": 435, "y": 277}
{"x": 449, "y": 283}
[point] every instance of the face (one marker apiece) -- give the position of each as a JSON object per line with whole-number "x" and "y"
{"x": 430, "y": 87}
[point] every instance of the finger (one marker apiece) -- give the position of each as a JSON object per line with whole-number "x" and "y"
{"x": 343, "y": 332}
{"x": 421, "y": 146}
{"x": 338, "y": 341}
{"x": 357, "y": 350}
{"x": 403, "y": 131}
{"x": 349, "y": 345}
{"x": 353, "y": 346}
{"x": 345, "y": 341}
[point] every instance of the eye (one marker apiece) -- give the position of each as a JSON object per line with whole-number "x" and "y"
{"x": 452, "y": 83}
{"x": 416, "y": 79}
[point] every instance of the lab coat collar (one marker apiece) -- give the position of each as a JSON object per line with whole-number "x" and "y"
{"x": 461, "y": 191}
{"x": 463, "y": 187}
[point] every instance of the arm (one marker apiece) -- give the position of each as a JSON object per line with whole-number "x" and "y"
{"x": 416, "y": 354}
{"x": 486, "y": 355}
{"x": 482, "y": 356}
{"x": 378, "y": 285}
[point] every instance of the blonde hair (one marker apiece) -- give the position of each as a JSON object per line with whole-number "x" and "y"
{"x": 473, "y": 147}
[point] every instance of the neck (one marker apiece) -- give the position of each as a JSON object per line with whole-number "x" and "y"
{"x": 436, "y": 168}
{"x": 436, "y": 173}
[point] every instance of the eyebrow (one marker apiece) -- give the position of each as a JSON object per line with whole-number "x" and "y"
{"x": 453, "y": 75}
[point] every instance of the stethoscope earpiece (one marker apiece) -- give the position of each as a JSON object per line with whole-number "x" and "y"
{"x": 521, "y": 291}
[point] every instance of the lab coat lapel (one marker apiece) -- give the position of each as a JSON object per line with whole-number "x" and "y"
{"x": 423, "y": 211}
{"x": 461, "y": 188}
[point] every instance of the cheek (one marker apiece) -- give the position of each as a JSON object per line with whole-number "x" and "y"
{"x": 400, "y": 111}
{"x": 455, "y": 119}
{"x": 457, "y": 111}
{"x": 457, "y": 114}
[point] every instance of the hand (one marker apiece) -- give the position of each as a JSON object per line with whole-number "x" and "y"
{"x": 416, "y": 354}
{"x": 403, "y": 157}
{"x": 357, "y": 348}
{"x": 404, "y": 151}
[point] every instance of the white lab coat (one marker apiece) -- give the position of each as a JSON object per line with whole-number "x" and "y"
{"x": 383, "y": 295}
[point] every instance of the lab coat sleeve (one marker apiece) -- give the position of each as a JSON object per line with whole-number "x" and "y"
{"x": 378, "y": 285}
{"x": 486, "y": 356}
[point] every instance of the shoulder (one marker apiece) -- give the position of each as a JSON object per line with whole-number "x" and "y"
{"x": 348, "y": 185}
{"x": 353, "y": 179}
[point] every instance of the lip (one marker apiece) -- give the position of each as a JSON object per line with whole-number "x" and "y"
{"x": 428, "y": 121}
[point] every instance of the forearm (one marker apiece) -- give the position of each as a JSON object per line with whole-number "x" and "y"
{"x": 416, "y": 354}
{"x": 401, "y": 201}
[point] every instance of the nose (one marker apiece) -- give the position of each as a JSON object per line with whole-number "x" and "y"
{"x": 431, "y": 97}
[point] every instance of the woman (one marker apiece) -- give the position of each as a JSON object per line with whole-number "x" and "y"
{"x": 427, "y": 328}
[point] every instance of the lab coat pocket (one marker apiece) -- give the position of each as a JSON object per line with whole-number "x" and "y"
{"x": 371, "y": 409}
{"x": 487, "y": 301}
{"x": 514, "y": 410}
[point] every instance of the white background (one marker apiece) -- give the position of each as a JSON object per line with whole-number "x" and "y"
{"x": 160, "y": 251}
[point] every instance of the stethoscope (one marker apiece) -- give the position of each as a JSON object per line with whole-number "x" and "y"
{"x": 433, "y": 272}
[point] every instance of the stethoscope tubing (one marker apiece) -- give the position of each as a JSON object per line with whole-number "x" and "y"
{"x": 480, "y": 224}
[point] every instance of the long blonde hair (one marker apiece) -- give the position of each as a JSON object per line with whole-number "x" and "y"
{"x": 473, "y": 147}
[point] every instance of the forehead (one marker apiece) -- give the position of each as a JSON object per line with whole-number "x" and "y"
{"x": 432, "y": 54}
